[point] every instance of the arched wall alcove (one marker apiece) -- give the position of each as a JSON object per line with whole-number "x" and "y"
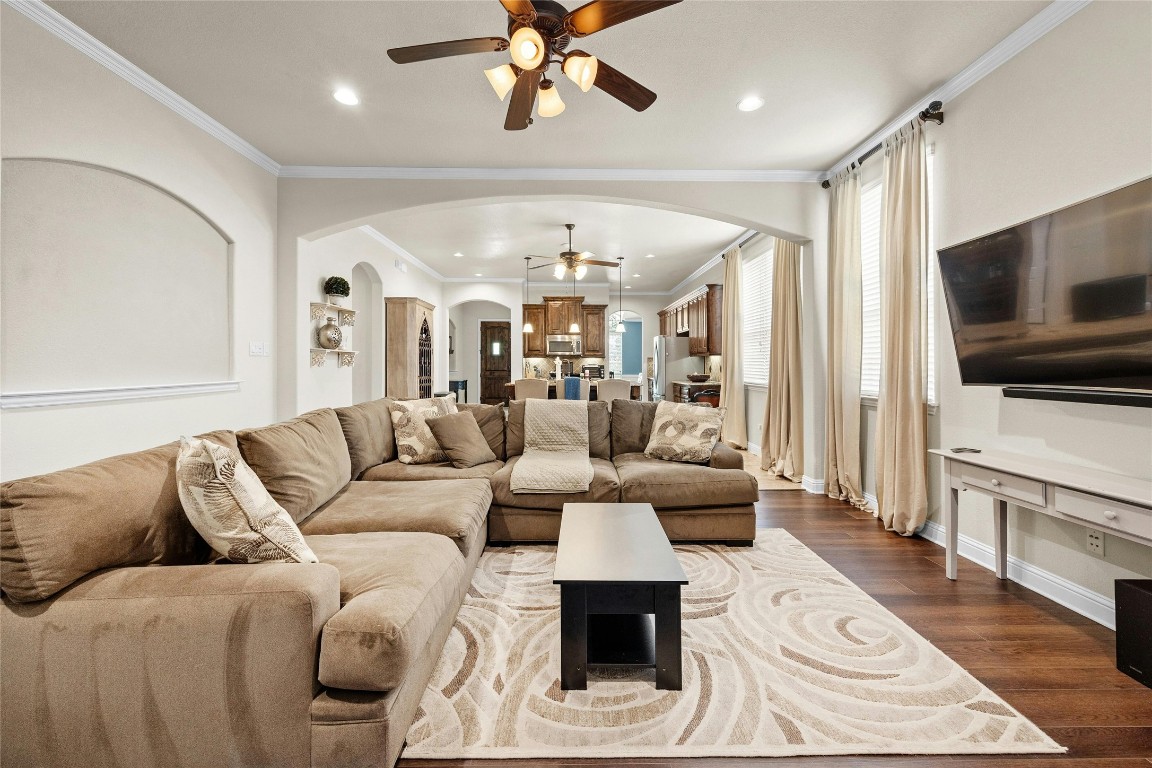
{"x": 368, "y": 373}
{"x": 467, "y": 316}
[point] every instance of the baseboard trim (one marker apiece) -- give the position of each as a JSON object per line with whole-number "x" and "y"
{"x": 813, "y": 485}
{"x": 754, "y": 449}
{"x": 1085, "y": 602}
{"x": 873, "y": 504}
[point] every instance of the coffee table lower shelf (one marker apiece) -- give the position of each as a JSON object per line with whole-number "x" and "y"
{"x": 620, "y": 625}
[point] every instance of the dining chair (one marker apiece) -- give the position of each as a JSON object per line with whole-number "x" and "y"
{"x": 534, "y": 388}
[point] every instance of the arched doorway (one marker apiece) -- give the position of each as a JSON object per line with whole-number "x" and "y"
{"x": 368, "y": 373}
{"x": 625, "y": 344}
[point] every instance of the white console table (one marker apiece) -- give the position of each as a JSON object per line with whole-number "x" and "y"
{"x": 1120, "y": 505}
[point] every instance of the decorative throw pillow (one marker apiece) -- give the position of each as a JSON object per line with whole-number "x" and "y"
{"x": 684, "y": 432}
{"x": 461, "y": 440}
{"x": 414, "y": 441}
{"x": 229, "y": 506}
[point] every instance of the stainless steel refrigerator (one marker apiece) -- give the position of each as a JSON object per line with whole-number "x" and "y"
{"x": 670, "y": 362}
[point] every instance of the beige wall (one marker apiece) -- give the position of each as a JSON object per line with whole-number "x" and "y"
{"x": 60, "y": 104}
{"x": 1065, "y": 120}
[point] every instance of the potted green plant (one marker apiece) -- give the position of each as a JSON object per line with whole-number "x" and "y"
{"x": 337, "y": 289}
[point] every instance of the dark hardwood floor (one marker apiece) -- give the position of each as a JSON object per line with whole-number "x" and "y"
{"x": 1055, "y": 666}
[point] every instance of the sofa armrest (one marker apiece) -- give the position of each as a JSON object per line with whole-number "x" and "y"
{"x": 167, "y": 665}
{"x": 725, "y": 456}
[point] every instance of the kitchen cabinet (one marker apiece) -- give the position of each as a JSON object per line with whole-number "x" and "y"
{"x": 592, "y": 329}
{"x": 699, "y": 316}
{"x": 560, "y": 312}
{"x": 534, "y": 345}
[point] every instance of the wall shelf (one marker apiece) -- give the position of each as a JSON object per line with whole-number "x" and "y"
{"x": 318, "y": 310}
{"x": 345, "y": 358}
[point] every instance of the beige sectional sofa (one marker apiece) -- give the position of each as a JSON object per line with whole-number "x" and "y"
{"x": 108, "y": 663}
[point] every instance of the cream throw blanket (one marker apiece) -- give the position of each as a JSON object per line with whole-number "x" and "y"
{"x": 555, "y": 456}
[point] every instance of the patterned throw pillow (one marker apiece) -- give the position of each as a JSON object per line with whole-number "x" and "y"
{"x": 414, "y": 441}
{"x": 684, "y": 432}
{"x": 228, "y": 505}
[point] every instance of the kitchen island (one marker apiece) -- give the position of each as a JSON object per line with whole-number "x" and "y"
{"x": 510, "y": 391}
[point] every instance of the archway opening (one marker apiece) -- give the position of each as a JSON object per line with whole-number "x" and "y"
{"x": 625, "y": 344}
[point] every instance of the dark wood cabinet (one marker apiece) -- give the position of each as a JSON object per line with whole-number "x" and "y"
{"x": 560, "y": 312}
{"x": 682, "y": 392}
{"x": 698, "y": 316}
{"x": 592, "y": 329}
{"x": 534, "y": 345}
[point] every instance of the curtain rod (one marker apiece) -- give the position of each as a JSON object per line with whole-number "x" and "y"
{"x": 932, "y": 114}
{"x": 741, "y": 241}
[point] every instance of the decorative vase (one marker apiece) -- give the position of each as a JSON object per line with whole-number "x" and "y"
{"x": 335, "y": 300}
{"x": 329, "y": 336}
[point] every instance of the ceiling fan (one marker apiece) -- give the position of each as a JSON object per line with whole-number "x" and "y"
{"x": 573, "y": 261}
{"x": 540, "y": 29}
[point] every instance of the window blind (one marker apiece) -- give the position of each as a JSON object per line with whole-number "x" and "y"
{"x": 870, "y": 203}
{"x": 756, "y": 306}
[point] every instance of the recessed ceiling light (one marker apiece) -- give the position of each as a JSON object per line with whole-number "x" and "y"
{"x": 650, "y": 256}
{"x": 750, "y": 104}
{"x": 635, "y": 275}
{"x": 627, "y": 286}
{"x": 458, "y": 255}
{"x": 346, "y": 96}
{"x": 479, "y": 274}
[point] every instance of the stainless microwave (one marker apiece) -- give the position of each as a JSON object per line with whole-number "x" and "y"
{"x": 571, "y": 345}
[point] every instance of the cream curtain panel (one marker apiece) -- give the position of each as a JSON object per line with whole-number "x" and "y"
{"x": 782, "y": 444}
{"x": 842, "y": 404}
{"x": 734, "y": 430}
{"x": 902, "y": 410}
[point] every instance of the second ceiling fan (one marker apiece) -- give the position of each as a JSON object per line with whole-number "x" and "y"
{"x": 576, "y": 262}
{"x": 539, "y": 30}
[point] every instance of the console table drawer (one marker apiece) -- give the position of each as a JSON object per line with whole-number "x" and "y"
{"x": 1003, "y": 484}
{"x": 1105, "y": 513}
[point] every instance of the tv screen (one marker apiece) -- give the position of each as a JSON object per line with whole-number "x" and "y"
{"x": 1063, "y": 300}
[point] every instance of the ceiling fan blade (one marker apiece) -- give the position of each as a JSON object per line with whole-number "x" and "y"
{"x": 412, "y": 53}
{"x": 618, "y": 85}
{"x": 601, "y": 14}
{"x": 549, "y": 264}
{"x": 595, "y": 263}
{"x": 523, "y": 97}
{"x": 521, "y": 10}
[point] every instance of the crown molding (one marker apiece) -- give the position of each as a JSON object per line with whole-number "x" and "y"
{"x": 1027, "y": 33}
{"x": 70, "y": 33}
{"x": 541, "y": 174}
{"x": 383, "y": 239}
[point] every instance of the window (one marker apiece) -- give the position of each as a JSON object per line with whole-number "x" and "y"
{"x": 625, "y": 352}
{"x": 756, "y": 306}
{"x": 871, "y": 197}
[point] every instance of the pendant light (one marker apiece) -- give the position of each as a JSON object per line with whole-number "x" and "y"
{"x": 620, "y": 298}
{"x": 528, "y": 325}
{"x": 575, "y": 327}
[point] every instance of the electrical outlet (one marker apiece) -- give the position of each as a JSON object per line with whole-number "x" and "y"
{"x": 1095, "y": 542}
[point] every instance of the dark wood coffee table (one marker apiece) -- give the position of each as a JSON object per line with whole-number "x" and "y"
{"x": 619, "y": 593}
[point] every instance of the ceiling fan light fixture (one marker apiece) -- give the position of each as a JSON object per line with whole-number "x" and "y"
{"x": 581, "y": 69}
{"x": 581, "y": 270}
{"x": 527, "y": 48}
{"x": 550, "y": 102}
{"x": 502, "y": 79}
{"x": 559, "y": 271}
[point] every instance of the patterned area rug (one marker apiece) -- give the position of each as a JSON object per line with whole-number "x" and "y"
{"x": 783, "y": 655}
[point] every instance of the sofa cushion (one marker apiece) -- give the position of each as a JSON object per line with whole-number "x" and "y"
{"x": 605, "y": 487}
{"x": 461, "y": 440}
{"x": 631, "y": 426}
{"x": 490, "y": 418}
{"x": 414, "y": 441}
{"x": 599, "y": 429}
{"x": 123, "y": 510}
{"x": 302, "y": 462}
{"x": 368, "y": 431}
{"x": 673, "y": 485}
{"x": 231, "y": 509}
{"x": 684, "y": 432}
{"x": 394, "y": 589}
{"x": 452, "y": 508}
{"x": 441, "y": 470}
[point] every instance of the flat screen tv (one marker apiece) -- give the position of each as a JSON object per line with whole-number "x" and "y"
{"x": 1061, "y": 305}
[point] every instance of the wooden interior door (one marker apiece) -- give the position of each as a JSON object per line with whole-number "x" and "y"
{"x": 495, "y": 360}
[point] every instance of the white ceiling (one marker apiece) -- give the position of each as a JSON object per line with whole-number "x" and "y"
{"x": 832, "y": 72}
{"x": 495, "y": 238}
